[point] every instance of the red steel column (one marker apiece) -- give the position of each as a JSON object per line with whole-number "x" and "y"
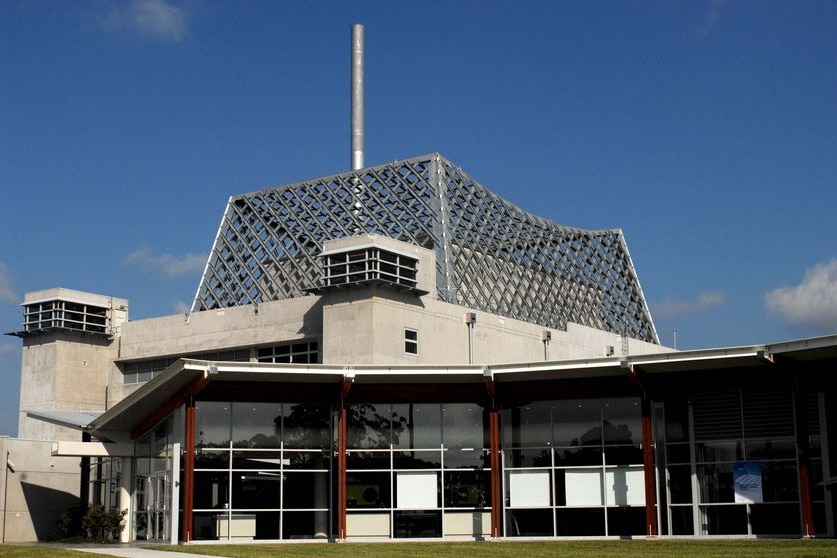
{"x": 648, "y": 468}
{"x": 188, "y": 473}
{"x": 341, "y": 472}
{"x": 496, "y": 486}
{"x": 803, "y": 451}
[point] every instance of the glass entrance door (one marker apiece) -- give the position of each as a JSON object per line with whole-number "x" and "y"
{"x": 153, "y": 497}
{"x": 158, "y": 512}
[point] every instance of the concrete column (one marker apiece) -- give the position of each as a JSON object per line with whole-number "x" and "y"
{"x": 4, "y": 485}
{"x": 126, "y": 482}
{"x": 320, "y": 501}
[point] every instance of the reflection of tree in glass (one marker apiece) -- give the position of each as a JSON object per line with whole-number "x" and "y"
{"x": 200, "y": 443}
{"x": 258, "y": 441}
{"x": 369, "y": 428}
{"x": 306, "y": 427}
{"x": 611, "y": 434}
{"x": 542, "y": 459}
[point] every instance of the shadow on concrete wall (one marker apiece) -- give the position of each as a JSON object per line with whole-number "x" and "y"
{"x": 46, "y": 505}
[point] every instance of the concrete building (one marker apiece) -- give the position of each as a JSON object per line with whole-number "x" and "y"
{"x": 365, "y": 382}
{"x": 398, "y": 352}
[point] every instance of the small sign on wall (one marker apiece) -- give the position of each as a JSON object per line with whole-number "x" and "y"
{"x": 748, "y": 482}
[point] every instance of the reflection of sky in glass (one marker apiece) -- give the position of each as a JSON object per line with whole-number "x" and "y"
{"x": 463, "y": 426}
{"x": 256, "y": 424}
{"x": 212, "y": 424}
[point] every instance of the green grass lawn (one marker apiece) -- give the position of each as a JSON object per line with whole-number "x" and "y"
{"x": 39, "y": 551}
{"x": 678, "y": 548}
{"x": 502, "y": 549}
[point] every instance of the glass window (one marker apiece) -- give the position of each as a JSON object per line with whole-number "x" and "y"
{"x": 527, "y": 424}
{"x": 417, "y": 459}
{"x": 716, "y": 482}
{"x": 467, "y": 459}
{"x": 256, "y": 425}
{"x": 368, "y": 490}
{"x": 578, "y": 422}
{"x": 775, "y": 519}
{"x": 306, "y": 490}
{"x": 770, "y": 449}
{"x": 678, "y": 453}
{"x": 416, "y": 425}
{"x": 211, "y": 490}
{"x": 317, "y": 459}
{"x": 413, "y": 524}
{"x": 576, "y": 456}
{"x": 464, "y": 426}
{"x": 212, "y": 424}
{"x": 580, "y": 522}
{"x": 531, "y": 457}
{"x": 257, "y": 490}
{"x": 306, "y": 425}
{"x": 532, "y": 523}
{"x": 780, "y": 481}
{"x": 212, "y": 459}
{"x": 467, "y": 489}
{"x": 622, "y": 421}
{"x": 411, "y": 341}
{"x": 264, "y": 460}
{"x": 623, "y": 455}
{"x": 368, "y": 460}
{"x": 680, "y": 484}
{"x": 718, "y": 451}
{"x": 368, "y": 426}
{"x": 723, "y": 520}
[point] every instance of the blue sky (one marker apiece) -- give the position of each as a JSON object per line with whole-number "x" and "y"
{"x": 705, "y": 130}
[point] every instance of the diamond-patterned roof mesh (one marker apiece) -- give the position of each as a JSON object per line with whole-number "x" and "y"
{"x": 490, "y": 254}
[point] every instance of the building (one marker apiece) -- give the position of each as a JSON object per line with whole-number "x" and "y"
{"x": 396, "y": 352}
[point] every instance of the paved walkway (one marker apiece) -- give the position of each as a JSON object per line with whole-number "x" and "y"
{"x": 127, "y": 551}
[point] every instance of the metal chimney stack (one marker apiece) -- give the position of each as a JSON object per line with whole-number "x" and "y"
{"x": 357, "y": 96}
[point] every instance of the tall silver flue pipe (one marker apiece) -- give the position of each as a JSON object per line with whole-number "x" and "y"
{"x": 357, "y": 96}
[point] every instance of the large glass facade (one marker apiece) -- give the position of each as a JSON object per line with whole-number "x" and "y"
{"x": 417, "y": 470}
{"x": 728, "y": 463}
{"x": 573, "y": 468}
{"x": 262, "y": 471}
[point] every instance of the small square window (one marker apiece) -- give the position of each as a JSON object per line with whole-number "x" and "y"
{"x": 411, "y": 341}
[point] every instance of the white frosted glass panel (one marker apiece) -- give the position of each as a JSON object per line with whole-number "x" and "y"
{"x": 417, "y": 491}
{"x": 625, "y": 487}
{"x": 367, "y": 524}
{"x": 529, "y": 489}
{"x": 468, "y": 523}
{"x": 583, "y": 487}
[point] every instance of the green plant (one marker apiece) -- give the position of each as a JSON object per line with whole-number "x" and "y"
{"x": 69, "y": 524}
{"x": 101, "y": 525}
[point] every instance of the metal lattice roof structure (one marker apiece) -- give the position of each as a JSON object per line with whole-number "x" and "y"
{"x": 490, "y": 254}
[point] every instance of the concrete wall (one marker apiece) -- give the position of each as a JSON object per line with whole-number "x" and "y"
{"x": 37, "y": 492}
{"x": 366, "y": 326}
{"x": 226, "y": 328}
{"x": 65, "y": 370}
